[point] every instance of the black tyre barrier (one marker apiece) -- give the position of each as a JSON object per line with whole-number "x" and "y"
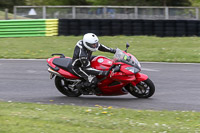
{"x": 74, "y": 32}
{"x": 105, "y": 32}
{"x": 97, "y": 32}
{"x": 85, "y": 22}
{"x": 159, "y": 33}
{"x": 127, "y": 32}
{"x": 116, "y": 27}
{"x": 129, "y": 27}
{"x": 95, "y": 23}
{"x": 84, "y": 27}
{"x": 159, "y": 23}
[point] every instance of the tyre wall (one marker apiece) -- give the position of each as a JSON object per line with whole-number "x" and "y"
{"x": 111, "y": 27}
{"x": 28, "y": 27}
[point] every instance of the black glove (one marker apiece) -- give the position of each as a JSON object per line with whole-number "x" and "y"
{"x": 104, "y": 73}
{"x": 89, "y": 82}
{"x": 113, "y": 50}
{"x": 94, "y": 81}
{"x": 116, "y": 68}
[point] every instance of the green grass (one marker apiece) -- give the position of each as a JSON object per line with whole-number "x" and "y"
{"x": 38, "y": 118}
{"x": 195, "y": 3}
{"x": 145, "y": 48}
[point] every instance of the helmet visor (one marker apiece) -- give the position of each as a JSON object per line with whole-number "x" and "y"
{"x": 92, "y": 45}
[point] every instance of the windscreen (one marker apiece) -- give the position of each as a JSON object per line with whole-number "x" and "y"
{"x": 121, "y": 56}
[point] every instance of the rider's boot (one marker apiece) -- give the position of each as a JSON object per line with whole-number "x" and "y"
{"x": 82, "y": 87}
{"x": 96, "y": 90}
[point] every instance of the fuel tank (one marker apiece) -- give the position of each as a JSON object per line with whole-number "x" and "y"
{"x": 101, "y": 63}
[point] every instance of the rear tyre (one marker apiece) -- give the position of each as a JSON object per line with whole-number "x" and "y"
{"x": 64, "y": 87}
{"x": 144, "y": 89}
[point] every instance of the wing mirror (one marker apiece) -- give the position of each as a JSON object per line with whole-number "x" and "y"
{"x": 127, "y": 46}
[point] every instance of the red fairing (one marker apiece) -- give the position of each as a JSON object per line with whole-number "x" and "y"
{"x": 107, "y": 89}
{"x": 66, "y": 74}
{"x": 62, "y": 72}
{"x": 139, "y": 77}
{"x": 50, "y": 61}
{"x": 120, "y": 76}
{"x": 101, "y": 63}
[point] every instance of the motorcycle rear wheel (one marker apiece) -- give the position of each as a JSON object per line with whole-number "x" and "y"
{"x": 144, "y": 89}
{"x": 63, "y": 87}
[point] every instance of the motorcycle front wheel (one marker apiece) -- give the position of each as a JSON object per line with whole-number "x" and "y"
{"x": 144, "y": 89}
{"x": 64, "y": 87}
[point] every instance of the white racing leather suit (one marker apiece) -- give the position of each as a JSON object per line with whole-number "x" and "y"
{"x": 81, "y": 61}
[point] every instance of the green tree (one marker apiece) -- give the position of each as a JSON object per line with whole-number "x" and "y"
{"x": 141, "y": 2}
{"x": 10, "y": 3}
{"x": 176, "y": 2}
{"x": 56, "y": 2}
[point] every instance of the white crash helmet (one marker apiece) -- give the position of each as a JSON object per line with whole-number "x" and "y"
{"x": 91, "y": 41}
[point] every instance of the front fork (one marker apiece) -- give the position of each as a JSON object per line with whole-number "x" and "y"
{"x": 139, "y": 77}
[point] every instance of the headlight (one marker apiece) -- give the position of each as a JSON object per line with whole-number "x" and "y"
{"x": 130, "y": 69}
{"x": 133, "y": 69}
{"x": 139, "y": 65}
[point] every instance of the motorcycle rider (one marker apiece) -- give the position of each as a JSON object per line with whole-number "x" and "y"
{"x": 81, "y": 61}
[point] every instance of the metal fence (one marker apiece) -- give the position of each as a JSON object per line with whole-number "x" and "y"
{"x": 106, "y": 12}
{"x": 4, "y": 14}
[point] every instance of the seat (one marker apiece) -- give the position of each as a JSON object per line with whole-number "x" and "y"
{"x": 64, "y": 63}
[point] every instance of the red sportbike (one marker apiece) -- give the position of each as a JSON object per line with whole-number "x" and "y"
{"x": 124, "y": 76}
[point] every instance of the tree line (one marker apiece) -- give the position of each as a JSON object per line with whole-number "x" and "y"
{"x": 10, "y": 3}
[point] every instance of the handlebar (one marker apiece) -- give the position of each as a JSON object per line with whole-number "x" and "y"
{"x": 116, "y": 69}
{"x": 110, "y": 69}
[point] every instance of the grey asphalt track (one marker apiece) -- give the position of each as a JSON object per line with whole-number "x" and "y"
{"x": 177, "y": 86}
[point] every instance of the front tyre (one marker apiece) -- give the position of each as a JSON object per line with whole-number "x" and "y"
{"x": 64, "y": 87}
{"x": 143, "y": 89}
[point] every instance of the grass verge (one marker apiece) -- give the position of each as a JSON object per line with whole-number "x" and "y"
{"x": 168, "y": 49}
{"x": 41, "y": 118}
